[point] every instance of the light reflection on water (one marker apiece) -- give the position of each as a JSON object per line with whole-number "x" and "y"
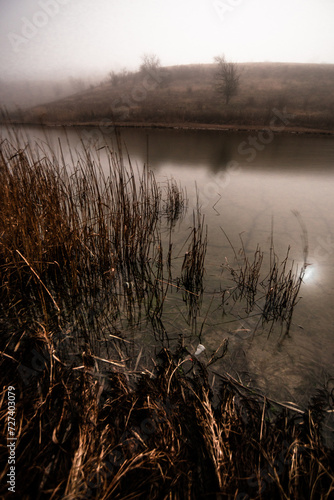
{"x": 293, "y": 173}
{"x": 311, "y": 275}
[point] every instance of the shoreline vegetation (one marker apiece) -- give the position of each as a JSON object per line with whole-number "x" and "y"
{"x": 176, "y": 126}
{"x": 112, "y": 400}
{"x": 185, "y": 97}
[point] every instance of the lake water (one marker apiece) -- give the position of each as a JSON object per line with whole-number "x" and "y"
{"x": 249, "y": 189}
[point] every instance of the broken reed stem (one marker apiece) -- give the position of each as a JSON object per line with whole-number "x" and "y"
{"x": 178, "y": 287}
{"x": 40, "y": 281}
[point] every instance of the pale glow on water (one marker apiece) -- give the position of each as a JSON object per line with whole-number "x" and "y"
{"x": 311, "y": 274}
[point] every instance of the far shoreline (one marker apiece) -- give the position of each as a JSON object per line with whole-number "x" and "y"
{"x": 177, "y": 126}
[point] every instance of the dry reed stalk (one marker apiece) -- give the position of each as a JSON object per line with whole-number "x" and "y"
{"x": 175, "y": 204}
{"x": 87, "y": 235}
{"x": 213, "y": 435}
{"x": 273, "y": 296}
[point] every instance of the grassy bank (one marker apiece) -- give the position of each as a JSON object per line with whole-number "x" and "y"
{"x": 110, "y": 404}
{"x": 185, "y": 96}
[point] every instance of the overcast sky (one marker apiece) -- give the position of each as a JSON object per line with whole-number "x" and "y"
{"x": 60, "y": 38}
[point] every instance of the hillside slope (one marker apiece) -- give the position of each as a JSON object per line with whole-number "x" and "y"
{"x": 182, "y": 95}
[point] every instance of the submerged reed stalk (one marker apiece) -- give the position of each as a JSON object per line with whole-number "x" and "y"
{"x": 175, "y": 202}
{"x": 282, "y": 290}
{"x": 273, "y": 296}
{"x": 192, "y": 271}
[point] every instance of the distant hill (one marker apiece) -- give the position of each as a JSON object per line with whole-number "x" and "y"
{"x": 27, "y": 93}
{"x": 185, "y": 95}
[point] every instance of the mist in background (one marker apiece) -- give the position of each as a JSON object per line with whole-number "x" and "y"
{"x": 52, "y": 48}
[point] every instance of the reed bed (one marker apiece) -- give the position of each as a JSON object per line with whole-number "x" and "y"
{"x": 192, "y": 271}
{"x": 272, "y": 294}
{"x": 103, "y": 411}
{"x": 175, "y": 205}
{"x": 76, "y": 244}
{"x": 282, "y": 290}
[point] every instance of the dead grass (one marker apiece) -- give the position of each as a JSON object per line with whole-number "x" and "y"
{"x": 83, "y": 436}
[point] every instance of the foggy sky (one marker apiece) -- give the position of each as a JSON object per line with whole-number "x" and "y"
{"x": 61, "y": 38}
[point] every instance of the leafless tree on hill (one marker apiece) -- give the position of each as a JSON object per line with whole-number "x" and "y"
{"x": 226, "y": 78}
{"x": 150, "y": 62}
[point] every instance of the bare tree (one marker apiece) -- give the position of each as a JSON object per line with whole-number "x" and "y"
{"x": 150, "y": 62}
{"x": 114, "y": 78}
{"x": 226, "y": 78}
{"x": 117, "y": 78}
